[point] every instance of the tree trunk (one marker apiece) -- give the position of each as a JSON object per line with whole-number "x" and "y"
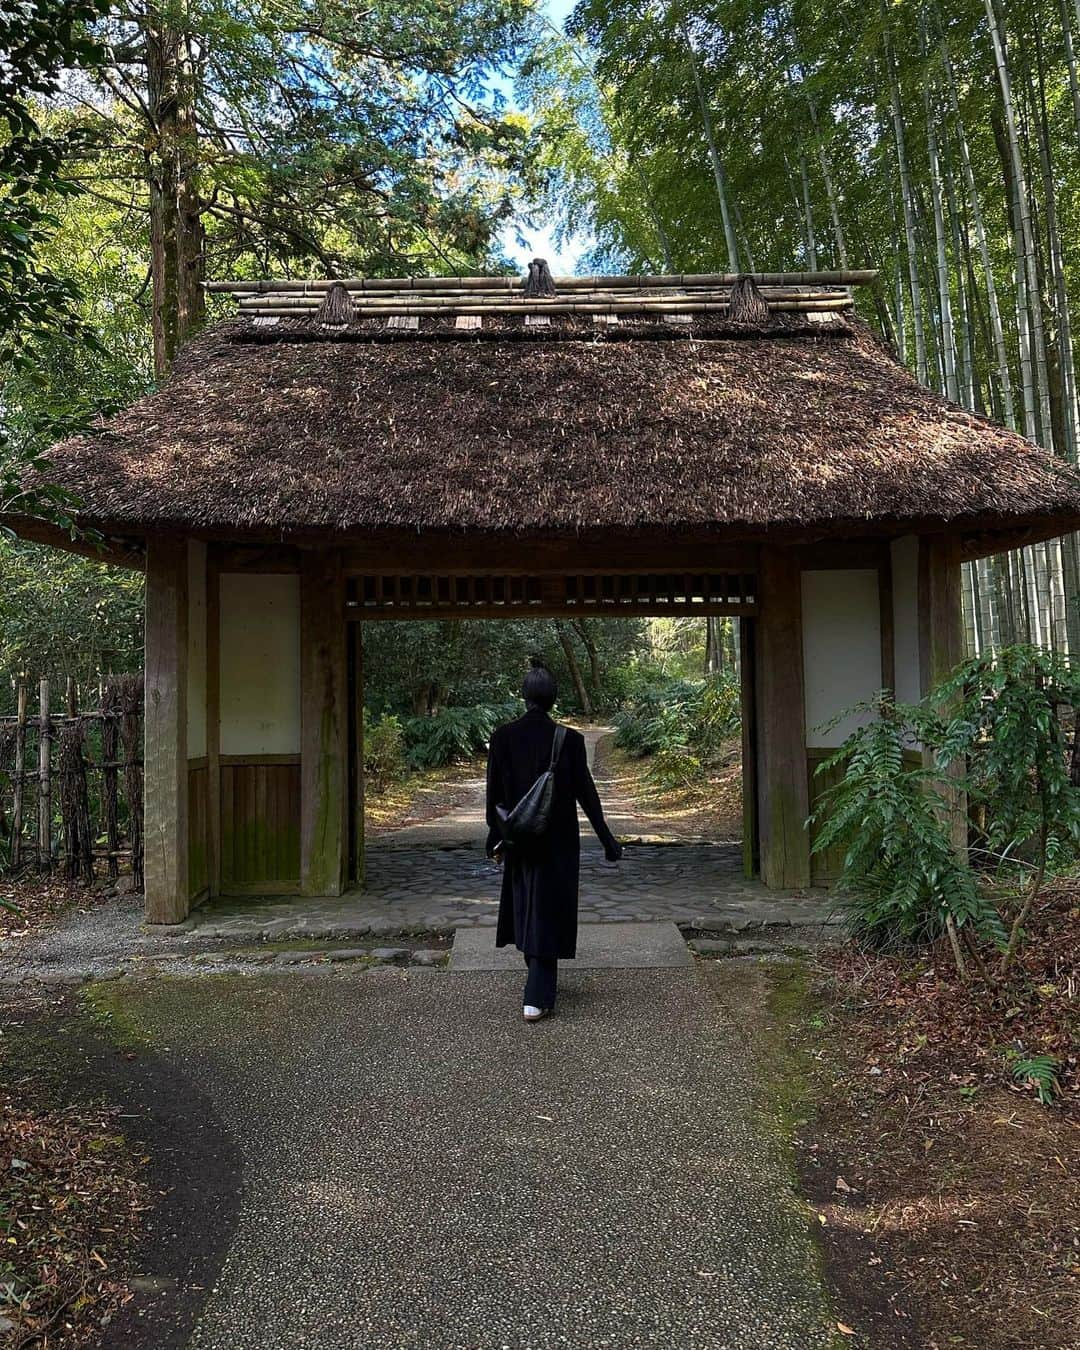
{"x": 567, "y": 645}
{"x": 975, "y": 207}
{"x": 719, "y": 176}
{"x": 947, "y": 331}
{"x": 1065, "y": 437}
{"x": 654, "y": 214}
{"x": 921, "y": 368}
{"x": 1027, "y": 279}
{"x": 1070, "y": 60}
{"x": 582, "y": 630}
{"x": 811, "y": 239}
{"x": 830, "y": 188}
{"x": 176, "y": 230}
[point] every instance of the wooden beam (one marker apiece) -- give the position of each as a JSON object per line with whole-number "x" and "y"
{"x": 100, "y": 547}
{"x": 165, "y": 753}
{"x": 323, "y": 726}
{"x": 547, "y": 610}
{"x": 783, "y": 794}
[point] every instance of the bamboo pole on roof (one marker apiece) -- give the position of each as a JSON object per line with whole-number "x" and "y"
{"x": 512, "y": 285}
{"x": 838, "y": 306}
{"x": 513, "y": 302}
{"x": 682, "y": 304}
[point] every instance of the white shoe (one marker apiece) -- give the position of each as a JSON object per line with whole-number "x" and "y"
{"x": 532, "y": 1014}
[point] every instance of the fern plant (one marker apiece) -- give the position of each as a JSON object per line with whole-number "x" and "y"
{"x": 453, "y": 733}
{"x": 1019, "y": 766}
{"x": 996, "y": 718}
{"x": 1037, "y": 1071}
{"x": 903, "y": 880}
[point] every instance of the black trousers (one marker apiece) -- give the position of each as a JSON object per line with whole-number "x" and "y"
{"x": 540, "y": 986}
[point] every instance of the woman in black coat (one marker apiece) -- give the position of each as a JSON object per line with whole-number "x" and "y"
{"x": 538, "y": 904}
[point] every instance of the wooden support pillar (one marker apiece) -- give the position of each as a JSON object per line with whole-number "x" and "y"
{"x": 213, "y": 716}
{"x": 783, "y": 788}
{"x": 165, "y": 755}
{"x": 356, "y": 743}
{"x": 941, "y": 642}
{"x": 746, "y": 653}
{"x": 324, "y": 718}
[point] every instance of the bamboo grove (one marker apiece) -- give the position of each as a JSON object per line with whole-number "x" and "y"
{"x": 938, "y": 141}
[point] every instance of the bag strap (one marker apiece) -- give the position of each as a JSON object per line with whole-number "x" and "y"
{"x": 556, "y": 746}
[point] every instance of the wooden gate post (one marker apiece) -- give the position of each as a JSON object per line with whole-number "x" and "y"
{"x": 783, "y": 789}
{"x": 324, "y": 719}
{"x": 941, "y": 645}
{"x": 165, "y": 862}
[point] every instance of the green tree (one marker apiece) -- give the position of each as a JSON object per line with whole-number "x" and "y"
{"x": 291, "y": 136}
{"x": 64, "y": 615}
{"x": 41, "y": 42}
{"x": 938, "y": 141}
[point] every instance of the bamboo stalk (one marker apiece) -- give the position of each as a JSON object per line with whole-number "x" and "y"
{"x": 906, "y": 197}
{"x": 20, "y": 770}
{"x": 44, "y": 844}
{"x": 110, "y": 739}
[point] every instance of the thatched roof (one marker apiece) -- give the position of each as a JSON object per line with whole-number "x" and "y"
{"x": 280, "y": 427}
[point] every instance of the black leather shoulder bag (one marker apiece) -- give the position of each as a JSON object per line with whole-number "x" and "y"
{"x": 528, "y": 821}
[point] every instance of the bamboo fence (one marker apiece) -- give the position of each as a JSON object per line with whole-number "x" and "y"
{"x": 73, "y": 781}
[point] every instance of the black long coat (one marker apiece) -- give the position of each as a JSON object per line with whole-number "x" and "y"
{"x": 538, "y": 904}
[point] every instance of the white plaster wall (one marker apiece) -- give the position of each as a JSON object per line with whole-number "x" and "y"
{"x": 260, "y": 664}
{"x": 905, "y": 589}
{"x": 841, "y": 647}
{"x": 196, "y": 687}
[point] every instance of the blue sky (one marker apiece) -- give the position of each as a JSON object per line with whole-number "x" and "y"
{"x": 538, "y": 240}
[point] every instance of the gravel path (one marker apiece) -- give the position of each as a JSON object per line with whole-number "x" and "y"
{"x": 421, "y": 1170}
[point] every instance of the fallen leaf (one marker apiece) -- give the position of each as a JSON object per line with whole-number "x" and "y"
{"x": 844, "y": 1329}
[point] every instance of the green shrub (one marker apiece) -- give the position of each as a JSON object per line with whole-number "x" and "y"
{"x": 384, "y": 751}
{"x": 994, "y": 732}
{"x": 679, "y": 724}
{"x": 453, "y": 733}
{"x": 902, "y": 878}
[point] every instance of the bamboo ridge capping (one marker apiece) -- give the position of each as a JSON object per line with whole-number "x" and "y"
{"x": 512, "y": 284}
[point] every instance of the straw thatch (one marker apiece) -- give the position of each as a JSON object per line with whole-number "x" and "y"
{"x": 293, "y": 428}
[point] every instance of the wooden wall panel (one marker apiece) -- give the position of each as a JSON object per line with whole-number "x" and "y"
{"x": 260, "y": 824}
{"x": 826, "y": 866}
{"x": 198, "y": 827}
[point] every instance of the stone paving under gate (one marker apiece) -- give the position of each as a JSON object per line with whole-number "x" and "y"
{"x": 434, "y": 878}
{"x": 693, "y": 885}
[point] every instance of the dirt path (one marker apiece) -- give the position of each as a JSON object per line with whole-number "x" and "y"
{"x": 451, "y": 814}
{"x": 459, "y": 822}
